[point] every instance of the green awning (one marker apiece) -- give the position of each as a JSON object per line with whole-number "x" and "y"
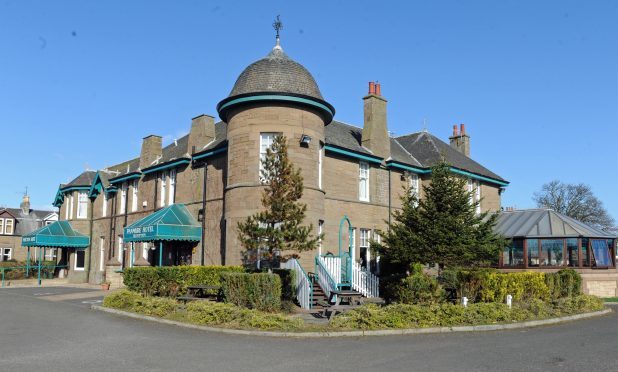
{"x": 58, "y": 234}
{"x": 170, "y": 223}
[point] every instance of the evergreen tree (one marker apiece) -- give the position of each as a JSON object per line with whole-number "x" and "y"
{"x": 278, "y": 227}
{"x": 443, "y": 228}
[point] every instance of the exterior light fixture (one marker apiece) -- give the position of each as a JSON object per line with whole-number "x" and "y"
{"x": 305, "y": 140}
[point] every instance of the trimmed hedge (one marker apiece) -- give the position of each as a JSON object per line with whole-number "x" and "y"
{"x": 492, "y": 286}
{"x": 450, "y": 315}
{"x": 171, "y": 281}
{"x": 259, "y": 291}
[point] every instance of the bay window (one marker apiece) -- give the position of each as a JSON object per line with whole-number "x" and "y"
{"x": 134, "y": 195}
{"x": 82, "y": 205}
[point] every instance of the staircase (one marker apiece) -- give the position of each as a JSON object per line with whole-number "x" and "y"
{"x": 318, "y": 293}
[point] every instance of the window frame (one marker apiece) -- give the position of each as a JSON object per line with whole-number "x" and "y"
{"x": 3, "y": 255}
{"x": 104, "y": 206}
{"x": 363, "y": 181}
{"x": 71, "y": 206}
{"x": 134, "y": 195}
{"x": 320, "y": 164}
{"x": 123, "y": 197}
{"x": 163, "y": 188}
{"x": 263, "y": 150}
{"x": 82, "y": 201}
{"x": 78, "y": 268}
{"x": 171, "y": 190}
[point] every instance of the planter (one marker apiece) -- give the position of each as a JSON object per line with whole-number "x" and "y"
{"x": 105, "y": 286}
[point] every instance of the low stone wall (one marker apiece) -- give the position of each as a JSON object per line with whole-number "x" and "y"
{"x": 603, "y": 284}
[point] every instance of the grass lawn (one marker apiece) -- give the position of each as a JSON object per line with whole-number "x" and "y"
{"x": 610, "y": 299}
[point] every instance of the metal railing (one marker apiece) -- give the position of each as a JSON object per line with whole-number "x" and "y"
{"x": 365, "y": 282}
{"x": 304, "y": 287}
{"x": 34, "y": 269}
{"x": 325, "y": 280}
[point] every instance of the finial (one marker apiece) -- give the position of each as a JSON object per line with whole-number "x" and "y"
{"x": 278, "y": 26}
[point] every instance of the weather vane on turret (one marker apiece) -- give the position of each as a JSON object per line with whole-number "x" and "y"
{"x": 278, "y": 26}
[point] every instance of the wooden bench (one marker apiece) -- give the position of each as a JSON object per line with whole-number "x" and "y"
{"x": 341, "y": 301}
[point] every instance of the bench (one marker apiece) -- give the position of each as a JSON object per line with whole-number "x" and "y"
{"x": 200, "y": 292}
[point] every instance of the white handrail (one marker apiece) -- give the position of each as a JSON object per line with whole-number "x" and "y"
{"x": 303, "y": 285}
{"x": 325, "y": 279}
{"x": 333, "y": 265}
{"x": 365, "y": 282}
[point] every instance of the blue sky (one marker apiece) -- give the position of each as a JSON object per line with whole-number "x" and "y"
{"x": 81, "y": 82}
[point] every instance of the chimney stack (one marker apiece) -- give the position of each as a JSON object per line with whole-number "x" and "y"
{"x": 375, "y": 131}
{"x": 460, "y": 141}
{"x": 25, "y": 204}
{"x": 152, "y": 149}
{"x": 202, "y": 132}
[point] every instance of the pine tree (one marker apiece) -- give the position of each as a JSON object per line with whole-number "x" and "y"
{"x": 278, "y": 228}
{"x": 443, "y": 228}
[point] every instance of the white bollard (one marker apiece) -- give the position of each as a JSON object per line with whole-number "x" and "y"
{"x": 464, "y": 301}
{"x": 509, "y": 301}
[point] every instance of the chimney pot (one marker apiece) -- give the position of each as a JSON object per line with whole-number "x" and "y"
{"x": 372, "y": 87}
{"x": 378, "y": 89}
{"x": 455, "y": 130}
{"x": 463, "y": 129}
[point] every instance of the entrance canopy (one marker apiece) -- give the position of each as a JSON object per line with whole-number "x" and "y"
{"x": 170, "y": 223}
{"x": 59, "y": 234}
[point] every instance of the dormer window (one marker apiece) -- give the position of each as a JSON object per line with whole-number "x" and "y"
{"x": 9, "y": 226}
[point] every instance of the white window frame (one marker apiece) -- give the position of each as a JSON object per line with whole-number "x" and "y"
{"x": 365, "y": 242}
{"x": 102, "y": 254}
{"x": 363, "y": 181}
{"x": 82, "y": 205}
{"x": 266, "y": 142}
{"x": 123, "y": 197}
{"x": 353, "y": 248}
{"x": 7, "y": 224}
{"x": 1, "y": 226}
{"x": 134, "y": 195}
{"x": 71, "y": 206}
{"x": 320, "y": 164}
{"x": 66, "y": 207}
{"x": 415, "y": 185}
{"x": 4, "y": 255}
{"x": 172, "y": 187}
{"x": 163, "y": 188}
{"x": 145, "y": 249}
{"x": 474, "y": 187}
{"x": 104, "y": 206}
{"x": 320, "y": 231}
{"x": 49, "y": 254}
{"x": 120, "y": 250}
{"x": 75, "y": 267}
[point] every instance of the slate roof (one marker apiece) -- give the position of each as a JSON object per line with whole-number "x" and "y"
{"x": 27, "y": 223}
{"x": 276, "y": 73}
{"x": 84, "y": 179}
{"x": 429, "y": 150}
{"x": 545, "y": 223}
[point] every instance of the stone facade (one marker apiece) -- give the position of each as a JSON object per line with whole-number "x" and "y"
{"x": 225, "y": 158}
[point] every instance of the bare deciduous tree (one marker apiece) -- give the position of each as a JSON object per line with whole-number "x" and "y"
{"x": 576, "y": 201}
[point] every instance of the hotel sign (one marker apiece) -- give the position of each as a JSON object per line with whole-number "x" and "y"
{"x": 139, "y": 232}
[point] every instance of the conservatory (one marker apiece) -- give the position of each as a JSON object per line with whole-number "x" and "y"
{"x": 545, "y": 239}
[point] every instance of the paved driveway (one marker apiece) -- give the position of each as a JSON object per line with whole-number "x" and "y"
{"x": 37, "y": 333}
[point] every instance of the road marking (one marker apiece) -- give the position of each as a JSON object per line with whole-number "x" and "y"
{"x": 45, "y": 293}
{"x": 92, "y": 302}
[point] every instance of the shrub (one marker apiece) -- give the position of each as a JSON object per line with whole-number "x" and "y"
{"x": 259, "y": 291}
{"x": 122, "y": 300}
{"x": 288, "y": 284}
{"x": 418, "y": 288}
{"x": 207, "y": 313}
{"x": 564, "y": 283}
{"x": 449, "y": 315}
{"x": 170, "y": 281}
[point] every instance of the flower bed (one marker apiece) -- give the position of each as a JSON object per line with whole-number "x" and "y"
{"x": 368, "y": 317}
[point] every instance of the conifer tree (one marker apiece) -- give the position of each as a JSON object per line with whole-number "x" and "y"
{"x": 278, "y": 228}
{"x": 443, "y": 228}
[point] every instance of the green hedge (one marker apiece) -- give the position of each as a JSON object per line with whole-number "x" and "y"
{"x": 228, "y": 315}
{"x": 171, "y": 281}
{"x": 449, "y": 315}
{"x": 493, "y": 286}
{"x": 259, "y": 291}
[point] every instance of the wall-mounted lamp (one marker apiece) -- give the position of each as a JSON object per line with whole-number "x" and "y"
{"x": 200, "y": 215}
{"x": 305, "y": 140}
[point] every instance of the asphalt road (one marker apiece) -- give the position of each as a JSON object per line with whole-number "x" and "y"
{"x": 56, "y": 332}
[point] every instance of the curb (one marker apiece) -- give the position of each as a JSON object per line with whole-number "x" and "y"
{"x": 385, "y": 332}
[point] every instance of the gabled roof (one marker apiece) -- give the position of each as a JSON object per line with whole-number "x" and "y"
{"x": 545, "y": 223}
{"x": 429, "y": 151}
{"x": 26, "y": 222}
